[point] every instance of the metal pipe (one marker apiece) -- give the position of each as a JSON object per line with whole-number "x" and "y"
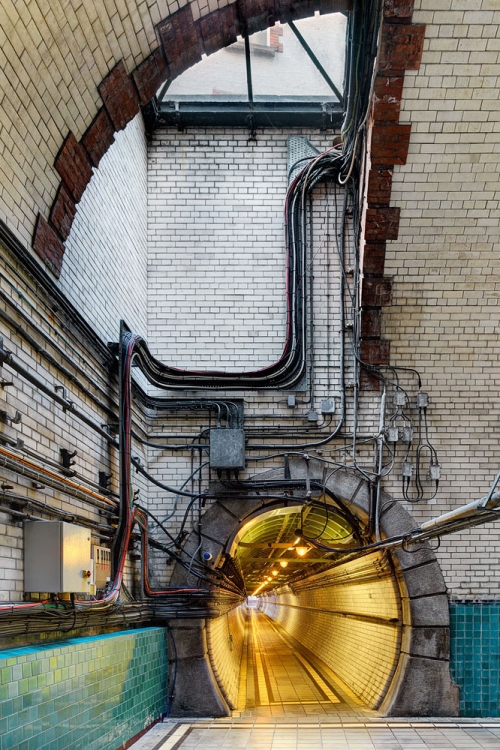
{"x": 28, "y": 502}
{"x": 28, "y": 467}
{"x": 484, "y": 503}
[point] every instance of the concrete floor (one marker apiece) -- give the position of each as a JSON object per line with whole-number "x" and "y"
{"x": 290, "y": 700}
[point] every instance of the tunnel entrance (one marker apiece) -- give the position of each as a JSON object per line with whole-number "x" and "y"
{"x": 363, "y": 632}
{"x": 280, "y": 676}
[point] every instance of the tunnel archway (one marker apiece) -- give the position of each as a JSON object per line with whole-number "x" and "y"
{"x": 400, "y": 611}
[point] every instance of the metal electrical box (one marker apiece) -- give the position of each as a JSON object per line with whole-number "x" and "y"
{"x": 57, "y": 558}
{"x": 102, "y": 566}
{"x": 227, "y": 449}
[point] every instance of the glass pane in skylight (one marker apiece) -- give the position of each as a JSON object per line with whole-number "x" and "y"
{"x": 221, "y": 75}
{"x": 282, "y": 68}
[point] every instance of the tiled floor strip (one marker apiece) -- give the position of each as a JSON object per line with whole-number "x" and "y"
{"x": 327, "y": 735}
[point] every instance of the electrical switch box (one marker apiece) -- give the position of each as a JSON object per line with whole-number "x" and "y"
{"x": 227, "y": 449}
{"x": 57, "y": 558}
{"x": 102, "y": 566}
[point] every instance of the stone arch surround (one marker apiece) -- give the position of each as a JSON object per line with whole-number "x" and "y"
{"x": 420, "y": 682}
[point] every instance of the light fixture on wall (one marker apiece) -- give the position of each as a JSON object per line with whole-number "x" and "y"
{"x": 274, "y": 572}
{"x": 283, "y": 563}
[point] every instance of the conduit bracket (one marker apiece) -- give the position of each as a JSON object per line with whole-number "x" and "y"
{"x": 299, "y": 151}
{"x": 66, "y": 461}
{"x": 6, "y": 418}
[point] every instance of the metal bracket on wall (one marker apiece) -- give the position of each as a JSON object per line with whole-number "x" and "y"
{"x": 66, "y": 461}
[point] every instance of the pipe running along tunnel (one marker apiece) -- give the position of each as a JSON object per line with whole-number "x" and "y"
{"x": 320, "y": 632}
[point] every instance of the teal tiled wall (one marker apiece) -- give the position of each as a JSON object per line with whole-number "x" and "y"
{"x": 82, "y": 694}
{"x": 475, "y": 656}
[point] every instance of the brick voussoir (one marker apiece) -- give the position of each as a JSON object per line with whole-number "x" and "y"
{"x": 401, "y": 48}
{"x": 376, "y": 291}
{"x": 74, "y": 166}
{"x": 387, "y": 95}
{"x": 219, "y": 29}
{"x": 374, "y": 258}
{"x": 180, "y": 38}
{"x": 120, "y": 96}
{"x": 398, "y": 11}
{"x": 149, "y": 75}
{"x": 99, "y": 136}
{"x": 48, "y": 246}
{"x": 375, "y": 351}
{"x": 382, "y": 224}
{"x": 371, "y": 323}
{"x": 62, "y": 212}
{"x": 389, "y": 144}
{"x": 379, "y": 186}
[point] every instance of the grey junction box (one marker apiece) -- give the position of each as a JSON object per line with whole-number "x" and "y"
{"x": 227, "y": 448}
{"x": 56, "y": 557}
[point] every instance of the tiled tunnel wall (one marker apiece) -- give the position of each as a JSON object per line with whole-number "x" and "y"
{"x": 225, "y": 640}
{"x": 352, "y": 625}
{"x": 362, "y": 654}
{"x": 94, "y": 693}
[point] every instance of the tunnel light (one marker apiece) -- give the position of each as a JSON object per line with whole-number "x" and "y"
{"x": 283, "y": 563}
{"x": 269, "y": 579}
{"x": 259, "y": 588}
{"x": 301, "y": 551}
{"x": 274, "y": 572}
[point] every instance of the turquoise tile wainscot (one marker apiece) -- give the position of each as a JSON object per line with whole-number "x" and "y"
{"x": 84, "y": 693}
{"x": 475, "y": 656}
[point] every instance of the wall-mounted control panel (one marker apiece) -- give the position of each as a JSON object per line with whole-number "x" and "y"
{"x": 57, "y": 558}
{"x": 101, "y": 557}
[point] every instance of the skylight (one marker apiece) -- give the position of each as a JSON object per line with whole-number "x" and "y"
{"x": 281, "y": 68}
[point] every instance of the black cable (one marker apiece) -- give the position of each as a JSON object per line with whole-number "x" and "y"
{"x": 171, "y": 692}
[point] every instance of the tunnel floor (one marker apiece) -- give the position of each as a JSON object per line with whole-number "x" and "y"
{"x": 281, "y": 678}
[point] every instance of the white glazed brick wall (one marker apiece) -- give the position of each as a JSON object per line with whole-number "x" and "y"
{"x": 104, "y": 270}
{"x": 216, "y": 243}
{"x": 52, "y": 58}
{"x": 446, "y": 268}
{"x": 431, "y": 327}
{"x": 216, "y": 280}
{"x": 104, "y": 275}
{"x": 444, "y": 317}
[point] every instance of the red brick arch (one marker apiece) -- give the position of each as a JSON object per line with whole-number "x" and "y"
{"x": 182, "y": 39}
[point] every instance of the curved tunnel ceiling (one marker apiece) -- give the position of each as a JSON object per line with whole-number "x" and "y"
{"x": 270, "y": 551}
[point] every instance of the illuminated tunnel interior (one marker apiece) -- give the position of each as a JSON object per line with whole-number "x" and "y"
{"x": 298, "y": 622}
{"x": 317, "y": 631}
